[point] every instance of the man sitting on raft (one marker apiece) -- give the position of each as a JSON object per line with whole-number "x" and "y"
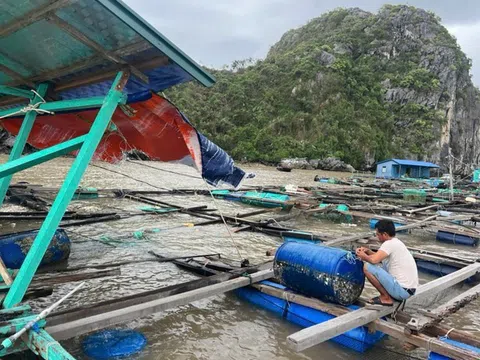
{"x": 397, "y": 277}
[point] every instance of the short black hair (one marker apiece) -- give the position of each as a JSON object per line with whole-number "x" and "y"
{"x": 386, "y": 226}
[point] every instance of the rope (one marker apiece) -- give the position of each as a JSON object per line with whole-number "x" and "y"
{"x": 274, "y": 221}
{"x": 31, "y": 107}
{"x": 155, "y": 168}
{"x": 130, "y": 177}
{"x": 429, "y": 344}
{"x": 149, "y": 166}
{"x": 448, "y": 332}
{"x": 247, "y": 275}
{"x": 223, "y": 219}
{"x": 168, "y": 171}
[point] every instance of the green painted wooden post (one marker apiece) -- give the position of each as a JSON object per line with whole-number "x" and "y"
{"x": 62, "y": 105}
{"x": 37, "y": 251}
{"x": 21, "y": 139}
{"x": 41, "y": 156}
{"x": 8, "y": 90}
{"x": 42, "y": 344}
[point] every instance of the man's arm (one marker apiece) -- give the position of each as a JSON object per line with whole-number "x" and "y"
{"x": 367, "y": 250}
{"x": 374, "y": 258}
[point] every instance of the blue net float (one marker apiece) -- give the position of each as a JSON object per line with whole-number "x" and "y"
{"x": 113, "y": 344}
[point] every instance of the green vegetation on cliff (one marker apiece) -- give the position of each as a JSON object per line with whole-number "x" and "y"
{"x": 350, "y": 84}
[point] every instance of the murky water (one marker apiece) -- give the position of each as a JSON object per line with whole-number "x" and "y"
{"x": 222, "y": 327}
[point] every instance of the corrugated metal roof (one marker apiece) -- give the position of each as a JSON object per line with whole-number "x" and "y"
{"x": 410, "y": 163}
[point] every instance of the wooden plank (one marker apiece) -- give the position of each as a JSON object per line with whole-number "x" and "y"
{"x": 240, "y": 216}
{"x": 61, "y": 279}
{"x": 16, "y": 76}
{"x": 448, "y": 308}
{"x": 317, "y": 334}
{"x": 7, "y": 279}
{"x": 434, "y": 206}
{"x": 91, "y": 323}
{"x": 107, "y": 74}
{"x": 77, "y": 34}
{"x": 83, "y": 311}
{"x": 457, "y": 301}
{"x": 329, "y": 308}
{"x": 78, "y": 66}
{"x": 90, "y": 62}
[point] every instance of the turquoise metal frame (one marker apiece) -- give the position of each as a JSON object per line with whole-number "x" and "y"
{"x": 40, "y": 342}
{"x": 25, "y": 129}
{"x": 76, "y": 68}
{"x": 88, "y": 144}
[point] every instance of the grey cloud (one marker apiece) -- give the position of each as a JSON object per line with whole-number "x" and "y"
{"x": 217, "y": 32}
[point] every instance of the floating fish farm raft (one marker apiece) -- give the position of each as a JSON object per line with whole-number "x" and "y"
{"x": 82, "y": 78}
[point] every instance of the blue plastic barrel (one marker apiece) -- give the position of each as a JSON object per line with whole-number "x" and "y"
{"x": 14, "y": 248}
{"x": 457, "y": 239}
{"x": 330, "y": 274}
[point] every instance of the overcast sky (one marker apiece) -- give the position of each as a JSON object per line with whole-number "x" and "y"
{"x": 216, "y": 32}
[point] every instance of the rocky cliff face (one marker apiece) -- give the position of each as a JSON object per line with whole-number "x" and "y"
{"x": 401, "y": 35}
{"x": 455, "y": 97}
{"x": 351, "y": 84}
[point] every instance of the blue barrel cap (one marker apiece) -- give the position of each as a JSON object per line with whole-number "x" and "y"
{"x": 113, "y": 343}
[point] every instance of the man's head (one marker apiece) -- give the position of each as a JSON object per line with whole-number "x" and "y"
{"x": 385, "y": 230}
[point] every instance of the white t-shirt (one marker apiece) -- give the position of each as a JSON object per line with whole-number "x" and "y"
{"x": 400, "y": 263}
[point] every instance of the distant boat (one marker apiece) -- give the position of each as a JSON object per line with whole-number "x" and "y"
{"x": 284, "y": 169}
{"x": 14, "y": 248}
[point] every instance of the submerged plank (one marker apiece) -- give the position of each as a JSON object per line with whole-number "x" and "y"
{"x": 91, "y": 323}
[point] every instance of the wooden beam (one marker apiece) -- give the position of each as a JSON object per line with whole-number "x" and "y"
{"x": 7, "y": 279}
{"x": 106, "y": 74}
{"x": 91, "y": 323}
{"x": 90, "y": 62}
{"x": 78, "y": 66}
{"x": 61, "y": 279}
{"x": 448, "y": 308}
{"x": 16, "y": 76}
{"x": 32, "y": 17}
{"x": 329, "y": 308}
{"x": 13, "y": 91}
{"x": 317, "y": 334}
{"x": 77, "y": 34}
{"x": 83, "y": 311}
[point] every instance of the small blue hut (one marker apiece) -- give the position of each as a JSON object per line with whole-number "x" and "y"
{"x": 396, "y": 168}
